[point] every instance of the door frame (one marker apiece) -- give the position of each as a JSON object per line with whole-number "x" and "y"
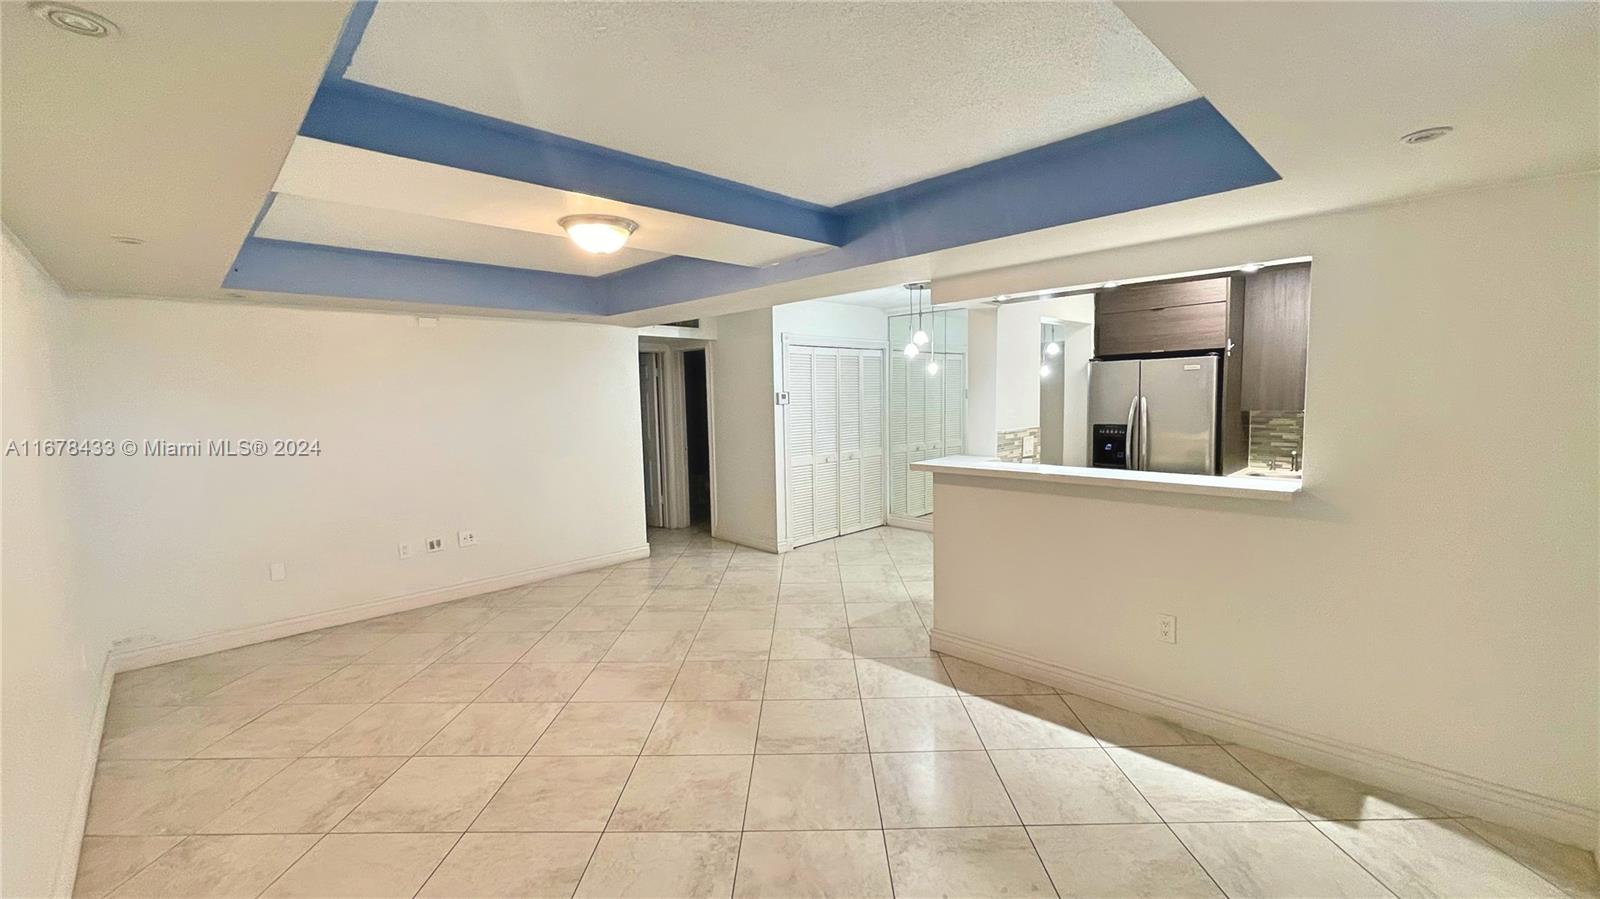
{"x": 781, "y": 421}
{"x": 675, "y": 471}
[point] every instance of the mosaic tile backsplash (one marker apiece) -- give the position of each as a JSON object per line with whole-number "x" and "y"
{"x": 1020, "y": 445}
{"x": 1273, "y": 436}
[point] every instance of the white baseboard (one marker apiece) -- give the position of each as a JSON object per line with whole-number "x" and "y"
{"x": 912, "y": 524}
{"x": 67, "y": 859}
{"x": 1559, "y": 820}
{"x": 217, "y": 641}
{"x": 762, "y": 543}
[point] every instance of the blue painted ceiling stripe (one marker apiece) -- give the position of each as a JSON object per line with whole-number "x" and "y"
{"x": 372, "y": 118}
{"x": 355, "y": 26}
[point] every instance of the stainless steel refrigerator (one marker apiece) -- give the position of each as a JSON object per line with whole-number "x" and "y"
{"x": 1155, "y": 414}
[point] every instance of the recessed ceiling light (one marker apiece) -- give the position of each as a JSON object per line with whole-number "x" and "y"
{"x": 125, "y": 239}
{"x": 1426, "y": 135}
{"x": 78, "y": 21}
{"x": 1250, "y": 268}
{"x": 598, "y": 234}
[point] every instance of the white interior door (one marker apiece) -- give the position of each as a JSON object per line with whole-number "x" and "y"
{"x": 833, "y": 441}
{"x": 651, "y": 411}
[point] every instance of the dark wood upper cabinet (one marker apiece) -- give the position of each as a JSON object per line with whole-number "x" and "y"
{"x": 1277, "y": 307}
{"x": 1171, "y": 316}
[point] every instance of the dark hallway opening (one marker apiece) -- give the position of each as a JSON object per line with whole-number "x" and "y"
{"x": 697, "y": 424}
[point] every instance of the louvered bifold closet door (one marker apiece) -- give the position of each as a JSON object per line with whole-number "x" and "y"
{"x": 899, "y": 439}
{"x": 872, "y": 512}
{"x": 917, "y": 499}
{"x": 850, "y": 398}
{"x": 825, "y": 443}
{"x": 800, "y": 454}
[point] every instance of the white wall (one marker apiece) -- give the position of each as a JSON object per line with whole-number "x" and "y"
{"x": 525, "y": 432}
{"x": 982, "y": 432}
{"x": 1017, "y": 355}
{"x": 53, "y": 644}
{"x": 1428, "y": 607}
{"x": 742, "y": 410}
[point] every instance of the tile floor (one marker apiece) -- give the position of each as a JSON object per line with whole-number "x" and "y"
{"x": 716, "y": 721}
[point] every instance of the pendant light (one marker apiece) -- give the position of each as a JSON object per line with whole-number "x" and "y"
{"x": 911, "y": 349}
{"x": 920, "y": 338}
{"x": 933, "y": 358}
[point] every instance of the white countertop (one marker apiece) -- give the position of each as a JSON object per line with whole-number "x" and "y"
{"x": 1241, "y": 486}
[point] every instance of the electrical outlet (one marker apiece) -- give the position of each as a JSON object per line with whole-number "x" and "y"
{"x": 435, "y": 544}
{"x": 1167, "y": 628}
{"x": 405, "y": 550}
{"x": 276, "y": 571}
{"x": 466, "y": 538}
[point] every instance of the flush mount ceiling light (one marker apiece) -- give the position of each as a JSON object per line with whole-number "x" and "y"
{"x": 78, "y": 21}
{"x": 1426, "y": 134}
{"x": 598, "y": 234}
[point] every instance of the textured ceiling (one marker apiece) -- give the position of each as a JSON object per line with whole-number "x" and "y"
{"x": 825, "y": 102}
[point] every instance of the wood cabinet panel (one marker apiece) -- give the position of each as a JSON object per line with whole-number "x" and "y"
{"x": 1199, "y": 327}
{"x": 1135, "y": 297}
{"x": 1277, "y": 306}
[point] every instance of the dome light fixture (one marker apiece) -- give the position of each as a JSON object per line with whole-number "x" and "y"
{"x": 1052, "y": 349}
{"x": 80, "y": 22}
{"x": 933, "y": 366}
{"x": 601, "y": 235}
{"x": 911, "y": 351}
{"x": 1045, "y": 371}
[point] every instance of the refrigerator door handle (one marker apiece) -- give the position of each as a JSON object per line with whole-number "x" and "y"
{"x": 1144, "y": 432}
{"x": 1131, "y": 448}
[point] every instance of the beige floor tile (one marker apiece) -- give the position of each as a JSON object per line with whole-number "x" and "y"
{"x": 696, "y": 599}
{"x": 1275, "y": 860}
{"x": 598, "y": 728}
{"x": 596, "y": 618}
{"x": 357, "y": 683}
{"x": 982, "y": 861}
{"x": 882, "y": 614}
{"x": 940, "y": 789}
{"x": 1320, "y": 794}
{"x": 739, "y": 619}
{"x": 288, "y": 731}
{"x": 811, "y": 593}
{"x": 431, "y": 794}
{"x": 868, "y": 573}
{"x": 180, "y": 733}
{"x": 897, "y": 678}
{"x": 1069, "y": 786}
{"x": 813, "y": 616}
{"x": 920, "y": 591}
{"x": 512, "y": 866}
{"x": 558, "y": 794}
{"x": 309, "y": 796}
{"x": 456, "y": 618}
{"x": 389, "y": 729}
{"x": 218, "y": 866}
{"x": 526, "y": 619}
{"x": 537, "y": 682}
{"x": 1568, "y": 867}
{"x": 148, "y": 798}
{"x": 586, "y": 579}
{"x": 1434, "y": 858}
{"x": 376, "y": 865}
{"x": 179, "y": 683}
{"x": 412, "y": 649}
{"x": 692, "y": 577}
{"x": 627, "y": 682}
{"x": 875, "y": 592}
{"x": 1029, "y": 721}
{"x": 811, "y": 643}
{"x": 811, "y": 679}
{"x": 811, "y": 725}
{"x": 1119, "y": 727}
{"x": 719, "y": 680}
{"x": 686, "y": 793}
{"x": 622, "y": 596}
{"x": 656, "y": 865}
{"x": 813, "y": 865}
{"x": 489, "y": 647}
{"x": 552, "y": 596}
{"x": 889, "y": 642}
{"x": 105, "y": 862}
{"x": 812, "y": 792}
{"x": 705, "y": 728}
{"x": 667, "y": 620}
{"x": 918, "y": 724}
{"x": 571, "y": 646}
{"x": 1137, "y": 861}
{"x": 736, "y": 644}
{"x": 794, "y": 575}
{"x": 269, "y": 685}
{"x": 122, "y": 719}
{"x": 979, "y": 680}
{"x": 1200, "y": 783}
{"x": 493, "y": 728}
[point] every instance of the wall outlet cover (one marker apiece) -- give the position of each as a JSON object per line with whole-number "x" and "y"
{"x": 405, "y": 550}
{"x": 1167, "y": 629}
{"x": 435, "y": 544}
{"x": 466, "y": 538}
{"x": 276, "y": 571}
